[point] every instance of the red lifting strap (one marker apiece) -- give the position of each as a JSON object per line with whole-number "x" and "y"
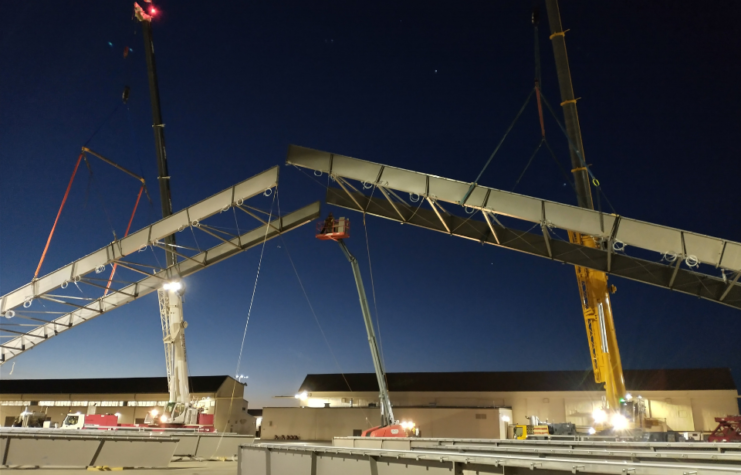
{"x": 64, "y": 200}
{"x": 131, "y": 219}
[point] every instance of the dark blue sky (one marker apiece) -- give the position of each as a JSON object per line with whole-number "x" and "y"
{"x": 428, "y": 86}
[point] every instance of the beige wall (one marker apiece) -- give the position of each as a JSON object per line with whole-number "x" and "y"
{"x": 229, "y": 416}
{"x": 682, "y": 410}
{"x": 326, "y": 423}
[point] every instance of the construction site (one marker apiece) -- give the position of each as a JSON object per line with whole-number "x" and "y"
{"x": 643, "y": 411}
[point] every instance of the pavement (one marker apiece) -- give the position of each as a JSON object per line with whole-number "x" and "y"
{"x": 175, "y": 468}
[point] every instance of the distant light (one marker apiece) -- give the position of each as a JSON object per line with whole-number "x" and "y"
{"x": 407, "y": 425}
{"x": 163, "y": 418}
{"x": 599, "y": 416}
{"x": 301, "y": 395}
{"x": 505, "y": 418}
{"x": 628, "y": 397}
{"x": 118, "y": 414}
{"x": 591, "y": 431}
{"x": 152, "y": 11}
{"x": 154, "y": 412}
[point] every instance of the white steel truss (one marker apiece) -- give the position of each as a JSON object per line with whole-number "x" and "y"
{"x": 686, "y": 258}
{"x": 138, "y": 275}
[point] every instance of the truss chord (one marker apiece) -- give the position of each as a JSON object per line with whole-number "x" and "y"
{"x": 22, "y": 333}
{"x": 67, "y": 303}
{"x": 87, "y": 278}
{"x": 218, "y": 237}
{"x": 215, "y": 229}
{"x": 70, "y": 297}
{"x": 107, "y": 289}
{"x": 257, "y": 218}
{"x": 122, "y": 262}
{"x": 135, "y": 269}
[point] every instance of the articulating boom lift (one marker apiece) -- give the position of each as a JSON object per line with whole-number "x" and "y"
{"x": 338, "y": 230}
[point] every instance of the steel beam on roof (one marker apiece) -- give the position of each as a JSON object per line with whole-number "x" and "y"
{"x": 608, "y": 228}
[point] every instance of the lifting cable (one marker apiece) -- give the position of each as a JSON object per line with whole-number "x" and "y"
{"x": 506, "y": 133}
{"x": 539, "y": 100}
{"x": 249, "y": 313}
{"x": 311, "y": 307}
{"x": 373, "y": 289}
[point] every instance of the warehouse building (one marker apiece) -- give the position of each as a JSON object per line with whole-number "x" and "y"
{"x": 130, "y": 398}
{"x": 478, "y": 404}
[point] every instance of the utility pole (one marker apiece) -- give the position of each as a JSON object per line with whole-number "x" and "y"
{"x": 170, "y": 296}
{"x": 593, "y": 287}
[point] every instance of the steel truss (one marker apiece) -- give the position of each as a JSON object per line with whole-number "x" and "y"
{"x": 685, "y": 257}
{"x": 140, "y": 271}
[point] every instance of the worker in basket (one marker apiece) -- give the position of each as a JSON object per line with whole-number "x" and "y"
{"x": 328, "y": 227}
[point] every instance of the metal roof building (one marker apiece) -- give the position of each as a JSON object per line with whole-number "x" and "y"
{"x": 460, "y": 404}
{"x": 131, "y": 398}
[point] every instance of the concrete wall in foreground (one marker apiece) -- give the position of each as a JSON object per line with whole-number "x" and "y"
{"x": 326, "y": 423}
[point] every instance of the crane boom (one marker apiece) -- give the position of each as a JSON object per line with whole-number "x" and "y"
{"x": 170, "y": 299}
{"x": 593, "y": 288}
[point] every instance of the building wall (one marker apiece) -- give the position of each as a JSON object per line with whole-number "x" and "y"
{"x": 682, "y": 410}
{"x": 229, "y": 416}
{"x": 326, "y": 423}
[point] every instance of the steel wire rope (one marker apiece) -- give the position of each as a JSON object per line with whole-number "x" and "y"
{"x": 316, "y": 319}
{"x": 506, "y": 133}
{"x": 583, "y": 163}
{"x": 373, "y": 286}
{"x": 527, "y": 165}
{"x": 247, "y": 322}
{"x": 380, "y": 338}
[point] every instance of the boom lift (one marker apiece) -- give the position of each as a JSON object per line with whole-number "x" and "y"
{"x": 338, "y": 230}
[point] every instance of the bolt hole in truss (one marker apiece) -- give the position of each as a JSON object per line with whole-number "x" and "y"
{"x": 705, "y": 266}
{"x": 220, "y": 226}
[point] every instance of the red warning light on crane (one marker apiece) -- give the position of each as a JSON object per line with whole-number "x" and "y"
{"x": 152, "y": 11}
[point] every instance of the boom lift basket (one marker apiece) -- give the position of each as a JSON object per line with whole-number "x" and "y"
{"x": 340, "y": 229}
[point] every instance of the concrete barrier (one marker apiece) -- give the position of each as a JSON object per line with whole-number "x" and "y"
{"x": 49, "y": 448}
{"x": 210, "y": 446}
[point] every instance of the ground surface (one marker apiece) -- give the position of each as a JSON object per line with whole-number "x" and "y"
{"x": 176, "y": 468}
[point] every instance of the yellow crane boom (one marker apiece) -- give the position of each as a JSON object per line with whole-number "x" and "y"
{"x": 593, "y": 287}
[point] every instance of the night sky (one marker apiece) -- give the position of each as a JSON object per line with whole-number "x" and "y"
{"x": 427, "y": 86}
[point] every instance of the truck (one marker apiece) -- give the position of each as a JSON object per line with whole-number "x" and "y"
{"x": 90, "y": 421}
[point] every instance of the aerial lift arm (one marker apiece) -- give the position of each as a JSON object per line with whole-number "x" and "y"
{"x": 338, "y": 230}
{"x": 387, "y": 414}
